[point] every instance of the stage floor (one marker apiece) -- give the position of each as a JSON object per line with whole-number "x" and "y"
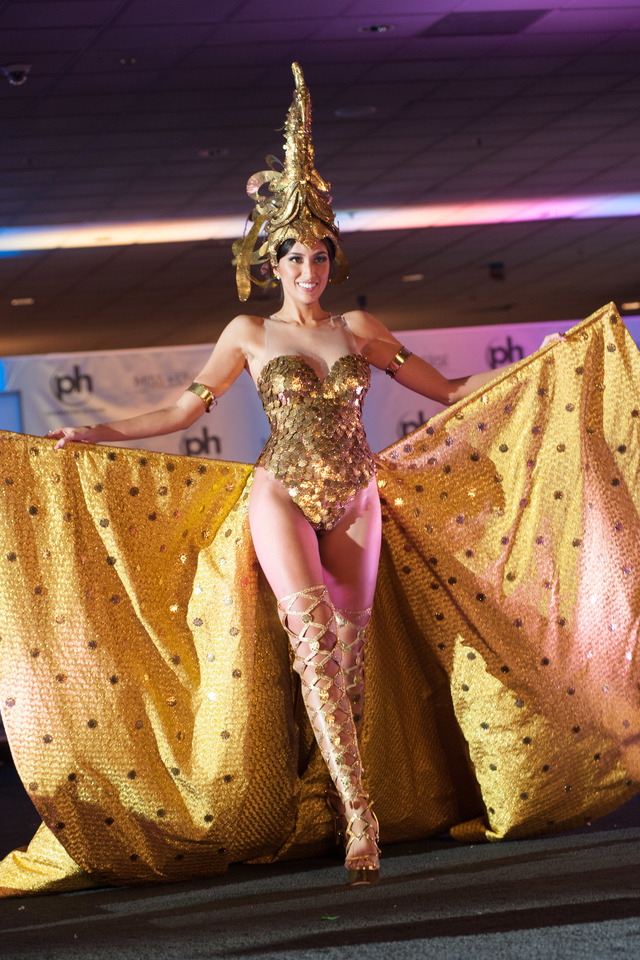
{"x": 574, "y": 895}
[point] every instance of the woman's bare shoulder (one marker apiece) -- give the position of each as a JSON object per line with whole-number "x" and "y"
{"x": 244, "y": 330}
{"x": 365, "y": 326}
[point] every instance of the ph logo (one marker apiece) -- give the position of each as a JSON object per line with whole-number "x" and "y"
{"x": 201, "y": 446}
{"x": 408, "y": 426}
{"x": 497, "y": 356}
{"x": 70, "y": 388}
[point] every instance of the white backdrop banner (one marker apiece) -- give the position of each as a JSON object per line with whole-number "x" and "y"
{"x": 39, "y": 392}
{"x": 77, "y": 388}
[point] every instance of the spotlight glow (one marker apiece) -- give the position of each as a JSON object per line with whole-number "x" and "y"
{"x": 417, "y": 217}
{"x": 491, "y": 211}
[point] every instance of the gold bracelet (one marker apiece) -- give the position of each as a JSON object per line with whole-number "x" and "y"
{"x": 401, "y": 357}
{"x": 204, "y": 393}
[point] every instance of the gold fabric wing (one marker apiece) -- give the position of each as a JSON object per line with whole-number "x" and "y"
{"x": 145, "y": 682}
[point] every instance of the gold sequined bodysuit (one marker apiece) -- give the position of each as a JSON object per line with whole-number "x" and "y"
{"x": 312, "y": 386}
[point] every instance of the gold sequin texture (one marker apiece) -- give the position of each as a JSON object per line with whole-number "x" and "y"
{"x": 317, "y": 448}
{"x": 259, "y": 793}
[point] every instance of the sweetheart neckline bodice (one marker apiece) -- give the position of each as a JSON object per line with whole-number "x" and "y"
{"x": 297, "y": 356}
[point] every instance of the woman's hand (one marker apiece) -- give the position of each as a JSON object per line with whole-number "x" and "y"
{"x": 64, "y": 435}
{"x": 553, "y": 338}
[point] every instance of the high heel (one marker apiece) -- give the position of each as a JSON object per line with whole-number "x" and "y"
{"x": 368, "y": 870}
{"x": 346, "y": 833}
{"x": 339, "y": 817}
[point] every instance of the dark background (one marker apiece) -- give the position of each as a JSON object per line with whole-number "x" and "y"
{"x": 161, "y": 109}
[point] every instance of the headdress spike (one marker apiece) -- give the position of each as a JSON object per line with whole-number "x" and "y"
{"x": 298, "y": 201}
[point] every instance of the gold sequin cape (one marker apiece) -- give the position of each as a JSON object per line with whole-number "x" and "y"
{"x": 146, "y": 685}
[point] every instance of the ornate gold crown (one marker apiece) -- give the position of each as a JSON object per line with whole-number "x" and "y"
{"x": 298, "y": 202}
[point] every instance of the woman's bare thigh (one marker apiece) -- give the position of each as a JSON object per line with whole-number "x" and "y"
{"x": 294, "y": 556}
{"x": 285, "y": 542}
{"x": 350, "y": 552}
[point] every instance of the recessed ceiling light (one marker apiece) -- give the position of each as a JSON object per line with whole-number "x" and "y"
{"x": 22, "y": 302}
{"x": 356, "y": 112}
{"x": 16, "y": 73}
{"x": 631, "y": 305}
{"x": 413, "y": 277}
{"x": 213, "y": 153}
{"x": 127, "y": 61}
{"x": 377, "y": 28}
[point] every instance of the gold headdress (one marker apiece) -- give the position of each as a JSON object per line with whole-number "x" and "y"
{"x": 297, "y": 205}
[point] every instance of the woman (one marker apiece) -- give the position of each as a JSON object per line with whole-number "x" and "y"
{"x": 314, "y": 507}
{"x": 318, "y": 545}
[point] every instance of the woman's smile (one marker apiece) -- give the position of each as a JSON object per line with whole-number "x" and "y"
{"x": 304, "y": 270}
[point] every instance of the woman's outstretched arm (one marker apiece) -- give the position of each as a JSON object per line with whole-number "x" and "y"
{"x": 379, "y": 346}
{"x": 223, "y": 367}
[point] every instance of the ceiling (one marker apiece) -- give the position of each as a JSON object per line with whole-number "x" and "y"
{"x": 161, "y": 110}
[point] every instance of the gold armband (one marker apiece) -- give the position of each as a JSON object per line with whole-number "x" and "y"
{"x": 204, "y": 393}
{"x": 401, "y": 356}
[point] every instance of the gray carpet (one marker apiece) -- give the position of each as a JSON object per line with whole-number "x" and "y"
{"x": 574, "y": 896}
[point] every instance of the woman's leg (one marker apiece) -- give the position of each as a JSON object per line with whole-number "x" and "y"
{"x": 352, "y": 633}
{"x": 288, "y": 551}
{"x": 350, "y": 555}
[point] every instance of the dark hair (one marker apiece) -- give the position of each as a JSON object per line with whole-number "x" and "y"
{"x": 286, "y": 245}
